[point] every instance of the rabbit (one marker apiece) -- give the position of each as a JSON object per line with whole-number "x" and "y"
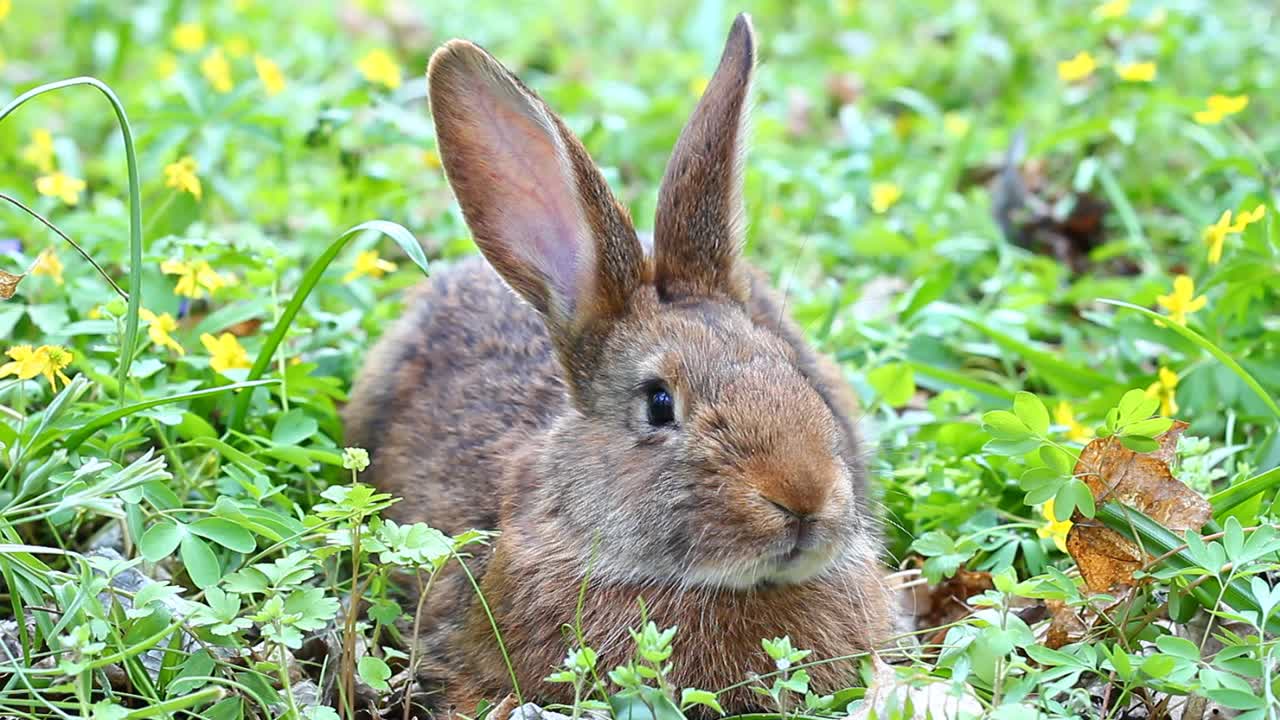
{"x": 637, "y": 421}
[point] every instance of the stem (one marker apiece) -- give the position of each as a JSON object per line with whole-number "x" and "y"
{"x": 349, "y": 627}
{"x": 417, "y": 630}
{"x": 284, "y": 679}
{"x": 14, "y": 201}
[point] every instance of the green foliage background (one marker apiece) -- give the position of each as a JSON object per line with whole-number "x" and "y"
{"x": 935, "y": 314}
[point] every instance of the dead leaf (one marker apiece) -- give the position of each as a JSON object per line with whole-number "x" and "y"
{"x": 1143, "y": 481}
{"x": 9, "y": 284}
{"x": 1065, "y": 627}
{"x": 946, "y": 602}
{"x": 1106, "y": 559}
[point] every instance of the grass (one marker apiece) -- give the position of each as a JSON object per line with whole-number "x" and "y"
{"x": 975, "y": 236}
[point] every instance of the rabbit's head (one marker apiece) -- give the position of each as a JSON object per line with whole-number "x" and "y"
{"x": 694, "y": 448}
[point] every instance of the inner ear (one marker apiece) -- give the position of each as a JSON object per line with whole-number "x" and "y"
{"x": 538, "y": 207}
{"x": 698, "y": 227}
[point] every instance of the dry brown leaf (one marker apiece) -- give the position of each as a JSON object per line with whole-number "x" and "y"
{"x": 1107, "y": 560}
{"x": 9, "y": 284}
{"x": 1065, "y": 627}
{"x": 1143, "y": 480}
{"x": 946, "y": 602}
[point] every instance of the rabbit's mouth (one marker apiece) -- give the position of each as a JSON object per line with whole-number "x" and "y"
{"x": 793, "y": 566}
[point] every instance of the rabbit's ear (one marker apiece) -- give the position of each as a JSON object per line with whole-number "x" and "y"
{"x": 698, "y": 228}
{"x": 536, "y": 204}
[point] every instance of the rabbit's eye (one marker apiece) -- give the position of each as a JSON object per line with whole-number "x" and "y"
{"x": 662, "y": 407}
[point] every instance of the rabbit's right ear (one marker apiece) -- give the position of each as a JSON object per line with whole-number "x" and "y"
{"x": 536, "y": 204}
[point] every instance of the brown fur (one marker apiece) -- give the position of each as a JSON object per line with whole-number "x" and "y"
{"x": 748, "y": 518}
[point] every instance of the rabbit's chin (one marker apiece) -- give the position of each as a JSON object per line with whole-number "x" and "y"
{"x": 764, "y": 571}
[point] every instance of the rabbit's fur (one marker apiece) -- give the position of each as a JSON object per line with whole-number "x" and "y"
{"x": 529, "y": 412}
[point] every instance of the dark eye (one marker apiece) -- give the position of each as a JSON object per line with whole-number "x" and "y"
{"x": 662, "y": 407}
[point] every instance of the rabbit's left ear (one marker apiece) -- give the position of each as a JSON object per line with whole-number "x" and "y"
{"x": 698, "y": 229}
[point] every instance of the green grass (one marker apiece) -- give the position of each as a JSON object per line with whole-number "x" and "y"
{"x": 224, "y": 472}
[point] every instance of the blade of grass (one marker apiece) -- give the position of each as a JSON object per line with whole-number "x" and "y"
{"x": 135, "y": 212}
{"x": 1156, "y": 538}
{"x": 1204, "y": 344}
{"x": 96, "y": 424}
{"x": 309, "y": 281}
{"x": 1228, "y": 499}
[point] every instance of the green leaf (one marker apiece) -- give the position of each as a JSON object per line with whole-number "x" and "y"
{"x": 895, "y": 383}
{"x": 690, "y": 696}
{"x": 1158, "y": 666}
{"x": 200, "y": 562}
{"x": 1057, "y": 459}
{"x": 1032, "y": 412}
{"x": 1073, "y": 494}
{"x": 1236, "y": 699}
{"x": 1139, "y": 444}
{"x": 375, "y": 672}
{"x": 226, "y": 533}
{"x": 160, "y": 540}
{"x": 293, "y": 427}
{"x": 1148, "y": 428}
{"x": 1004, "y": 425}
{"x": 1178, "y": 647}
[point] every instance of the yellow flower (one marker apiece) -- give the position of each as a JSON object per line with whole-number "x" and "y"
{"x": 955, "y": 124}
{"x": 217, "y": 70}
{"x": 47, "y": 360}
{"x": 431, "y": 159}
{"x": 158, "y": 329}
{"x": 61, "y": 185}
{"x": 226, "y": 352}
{"x": 166, "y": 65}
{"x": 369, "y": 263}
{"x": 1164, "y": 388}
{"x": 1111, "y": 10}
{"x": 270, "y": 75}
{"x": 378, "y": 67}
{"x": 1251, "y": 217}
{"x": 1182, "y": 301}
{"x": 1077, "y": 68}
{"x": 96, "y": 313}
{"x": 182, "y": 176}
{"x": 1053, "y": 528}
{"x": 48, "y": 264}
{"x": 698, "y": 85}
{"x": 1218, "y": 107}
{"x": 40, "y": 152}
{"x": 883, "y": 196}
{"x": 1216, "y": 235}
{"x": 1064, "y": 415}
{"x": 5, "y": 7}
{"x": 237, "y": 46}
{"x": 195, "y": 277}
{"x": 1137, "y": 72}
{"x": 188, "y": 37}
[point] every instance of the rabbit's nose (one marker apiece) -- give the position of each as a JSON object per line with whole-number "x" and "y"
{"x": 800, "y": 524}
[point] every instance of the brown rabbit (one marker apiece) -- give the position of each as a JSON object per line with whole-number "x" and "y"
{"x": 647, "y": 422}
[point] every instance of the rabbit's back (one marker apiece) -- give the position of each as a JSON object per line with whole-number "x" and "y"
{"x": 449, "y": 393}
